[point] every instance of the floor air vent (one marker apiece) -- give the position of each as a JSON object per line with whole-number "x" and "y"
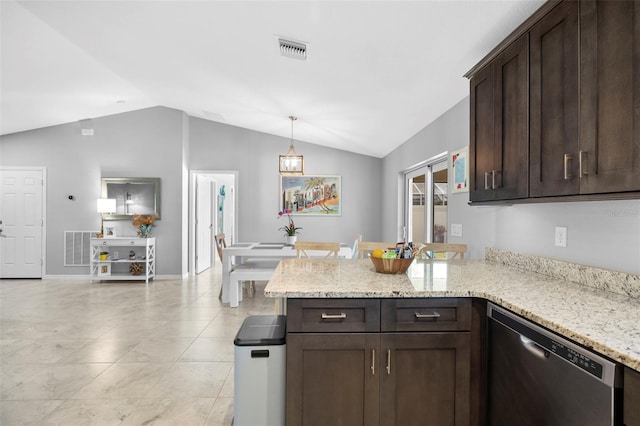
{"x": 76, "y": 247}
{"x": 293, "y": 49}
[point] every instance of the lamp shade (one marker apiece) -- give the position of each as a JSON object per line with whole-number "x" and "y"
{"x": 106, "y": 205}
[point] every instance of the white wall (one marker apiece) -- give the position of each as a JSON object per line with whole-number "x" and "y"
{"x": 603, "y": 234}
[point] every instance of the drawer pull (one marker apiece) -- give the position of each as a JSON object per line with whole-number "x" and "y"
{"x": 341, "y": 315}
{"x": 423, "y": 316}
{"x": 568, "y": 158}
{"x": 388, "y": 361}
{"x": 373, "y": 362}
{"x": 583, "y": 163}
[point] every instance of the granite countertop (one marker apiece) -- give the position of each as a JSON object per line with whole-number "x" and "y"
{"x": 606, "y": 321}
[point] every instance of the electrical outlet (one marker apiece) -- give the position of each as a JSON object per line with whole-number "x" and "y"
{"x": 456, "y": 230}
{"x": 561, "y": 236}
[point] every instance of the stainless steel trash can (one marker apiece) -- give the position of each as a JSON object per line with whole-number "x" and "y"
{"x": 260, "y": 357}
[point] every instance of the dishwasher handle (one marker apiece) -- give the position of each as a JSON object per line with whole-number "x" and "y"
{"x": 532, "y": 347}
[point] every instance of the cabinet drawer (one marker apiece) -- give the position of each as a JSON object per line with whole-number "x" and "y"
{"x": 333, "y": 315}
{"x": 121, "y": 242}
{"x": 426, "y": 315}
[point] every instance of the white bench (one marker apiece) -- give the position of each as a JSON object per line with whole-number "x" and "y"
{"x": 237, "y": 276}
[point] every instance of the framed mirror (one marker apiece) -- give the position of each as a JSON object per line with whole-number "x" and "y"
{"x": 133, "y": 196}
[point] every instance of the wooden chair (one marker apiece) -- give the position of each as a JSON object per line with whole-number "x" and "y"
{"x": 365, "y": 247}
{"x": 302, "y": 247}
{"x": 429, "y": 250}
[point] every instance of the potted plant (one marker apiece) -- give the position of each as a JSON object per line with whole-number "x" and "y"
{"x": 290, "y": 230}
{"x": 104, "y": 255}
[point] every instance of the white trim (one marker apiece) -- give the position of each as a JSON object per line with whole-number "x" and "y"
{"x": 88, "y": 278}
{"x": 424, "y": 167}
{"x": 192, "y": 213}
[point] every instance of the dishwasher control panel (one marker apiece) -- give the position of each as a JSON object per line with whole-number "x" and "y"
{"x": 579, "y": 359}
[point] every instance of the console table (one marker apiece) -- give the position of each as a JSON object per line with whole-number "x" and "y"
{"x": 127, "y": 259}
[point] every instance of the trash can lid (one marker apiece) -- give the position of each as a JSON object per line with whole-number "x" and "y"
{"x": 262, "y": 330}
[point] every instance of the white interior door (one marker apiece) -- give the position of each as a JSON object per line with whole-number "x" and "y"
{"x": 204, "y": 222}
{"x": 21, "y": 213}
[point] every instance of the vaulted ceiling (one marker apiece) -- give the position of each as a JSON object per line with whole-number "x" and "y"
{"x": 377, "y": 71}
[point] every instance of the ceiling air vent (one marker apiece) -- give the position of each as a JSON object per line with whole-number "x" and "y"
{"x": 293, "y": 49}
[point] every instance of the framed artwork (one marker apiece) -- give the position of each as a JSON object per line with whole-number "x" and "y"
{"x": 109, "y": 232}
{"x": 310, "y": 195}
{"x": 104, "y": 269}
{"x": 460, "y": 170}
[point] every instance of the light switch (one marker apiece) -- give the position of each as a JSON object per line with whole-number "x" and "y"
{"x": 456, "y": 230}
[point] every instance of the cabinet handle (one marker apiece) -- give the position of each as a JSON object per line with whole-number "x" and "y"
{"x": 388, "y": 361}
{"x": 486, "y": 181}
{"x": 423, "y": 316}
{"x": 373, "y": 362}
{"x": 341, "y": 315}
{"x": 583, "y": 162}
{"x": 568, "y": 158}
{"x": 493, "y": 180}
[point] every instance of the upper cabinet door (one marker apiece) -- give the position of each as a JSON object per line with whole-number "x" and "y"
{"x": 499, "y": 148}
{"x": 482, "y": 135}
{"x": 610, "y": 96}
{"x": 510, "y": 174}
{"x": 553, "y": 93}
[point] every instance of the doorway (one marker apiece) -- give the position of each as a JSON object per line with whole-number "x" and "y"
{"x": 426, "y": 201}
{"x": 213, "y": 211}
{"x": 22, "y": 222}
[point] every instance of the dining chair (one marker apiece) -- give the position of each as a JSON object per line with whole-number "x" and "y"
{"x": 430, "y": 250}
{"x": 365, "y": 247}
{"x": 355, "y": 248}
{"x": 220, "y": 244}
{"x": 302, "y": 247}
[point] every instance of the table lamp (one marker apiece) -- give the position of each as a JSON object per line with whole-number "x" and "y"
{"x": 105, "y": 205}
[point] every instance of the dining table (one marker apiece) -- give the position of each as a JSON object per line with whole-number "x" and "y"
{"x": 239, "y": 253}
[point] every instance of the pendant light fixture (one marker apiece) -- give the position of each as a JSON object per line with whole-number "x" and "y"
{"x": 291, "y": 163}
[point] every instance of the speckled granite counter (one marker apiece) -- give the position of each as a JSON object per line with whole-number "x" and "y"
{"x": 605, "y": 321}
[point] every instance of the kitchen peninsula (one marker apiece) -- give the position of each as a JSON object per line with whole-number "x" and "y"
{"x": 602, "y": 313}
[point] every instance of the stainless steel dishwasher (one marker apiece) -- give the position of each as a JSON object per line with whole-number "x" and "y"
{"x": 537, "y": 378}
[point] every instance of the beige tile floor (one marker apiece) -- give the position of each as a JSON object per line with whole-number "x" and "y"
{"x": 125, "y": 353}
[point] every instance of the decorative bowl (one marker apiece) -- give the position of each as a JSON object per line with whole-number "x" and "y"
{"x": 391, "y": 266}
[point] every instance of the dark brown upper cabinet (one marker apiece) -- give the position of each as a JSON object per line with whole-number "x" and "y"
{"x": 609, "y": 96}
{"x": 553, "y": 91}
{"x": 499, "y": 152}
{"x": 566, "y": 126}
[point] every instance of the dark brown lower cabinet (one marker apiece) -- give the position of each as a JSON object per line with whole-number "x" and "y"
{"x": 631, "y": 404}
{"x": 330, "y": 381}
{"x": 424, "y": 379}
{"x": 409, "y": 366}
{"x": 378, "y": 379}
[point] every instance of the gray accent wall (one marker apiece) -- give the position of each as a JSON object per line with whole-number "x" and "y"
{"x": 254, "y": 155}
{"x": 144, "y": 143}
{"x": 166, "y": 143}
{"x": 604, "y": 234}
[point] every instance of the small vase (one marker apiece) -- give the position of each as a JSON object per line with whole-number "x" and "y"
{"x": 291, "y": 239}
{"x": 145, "y": 231}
